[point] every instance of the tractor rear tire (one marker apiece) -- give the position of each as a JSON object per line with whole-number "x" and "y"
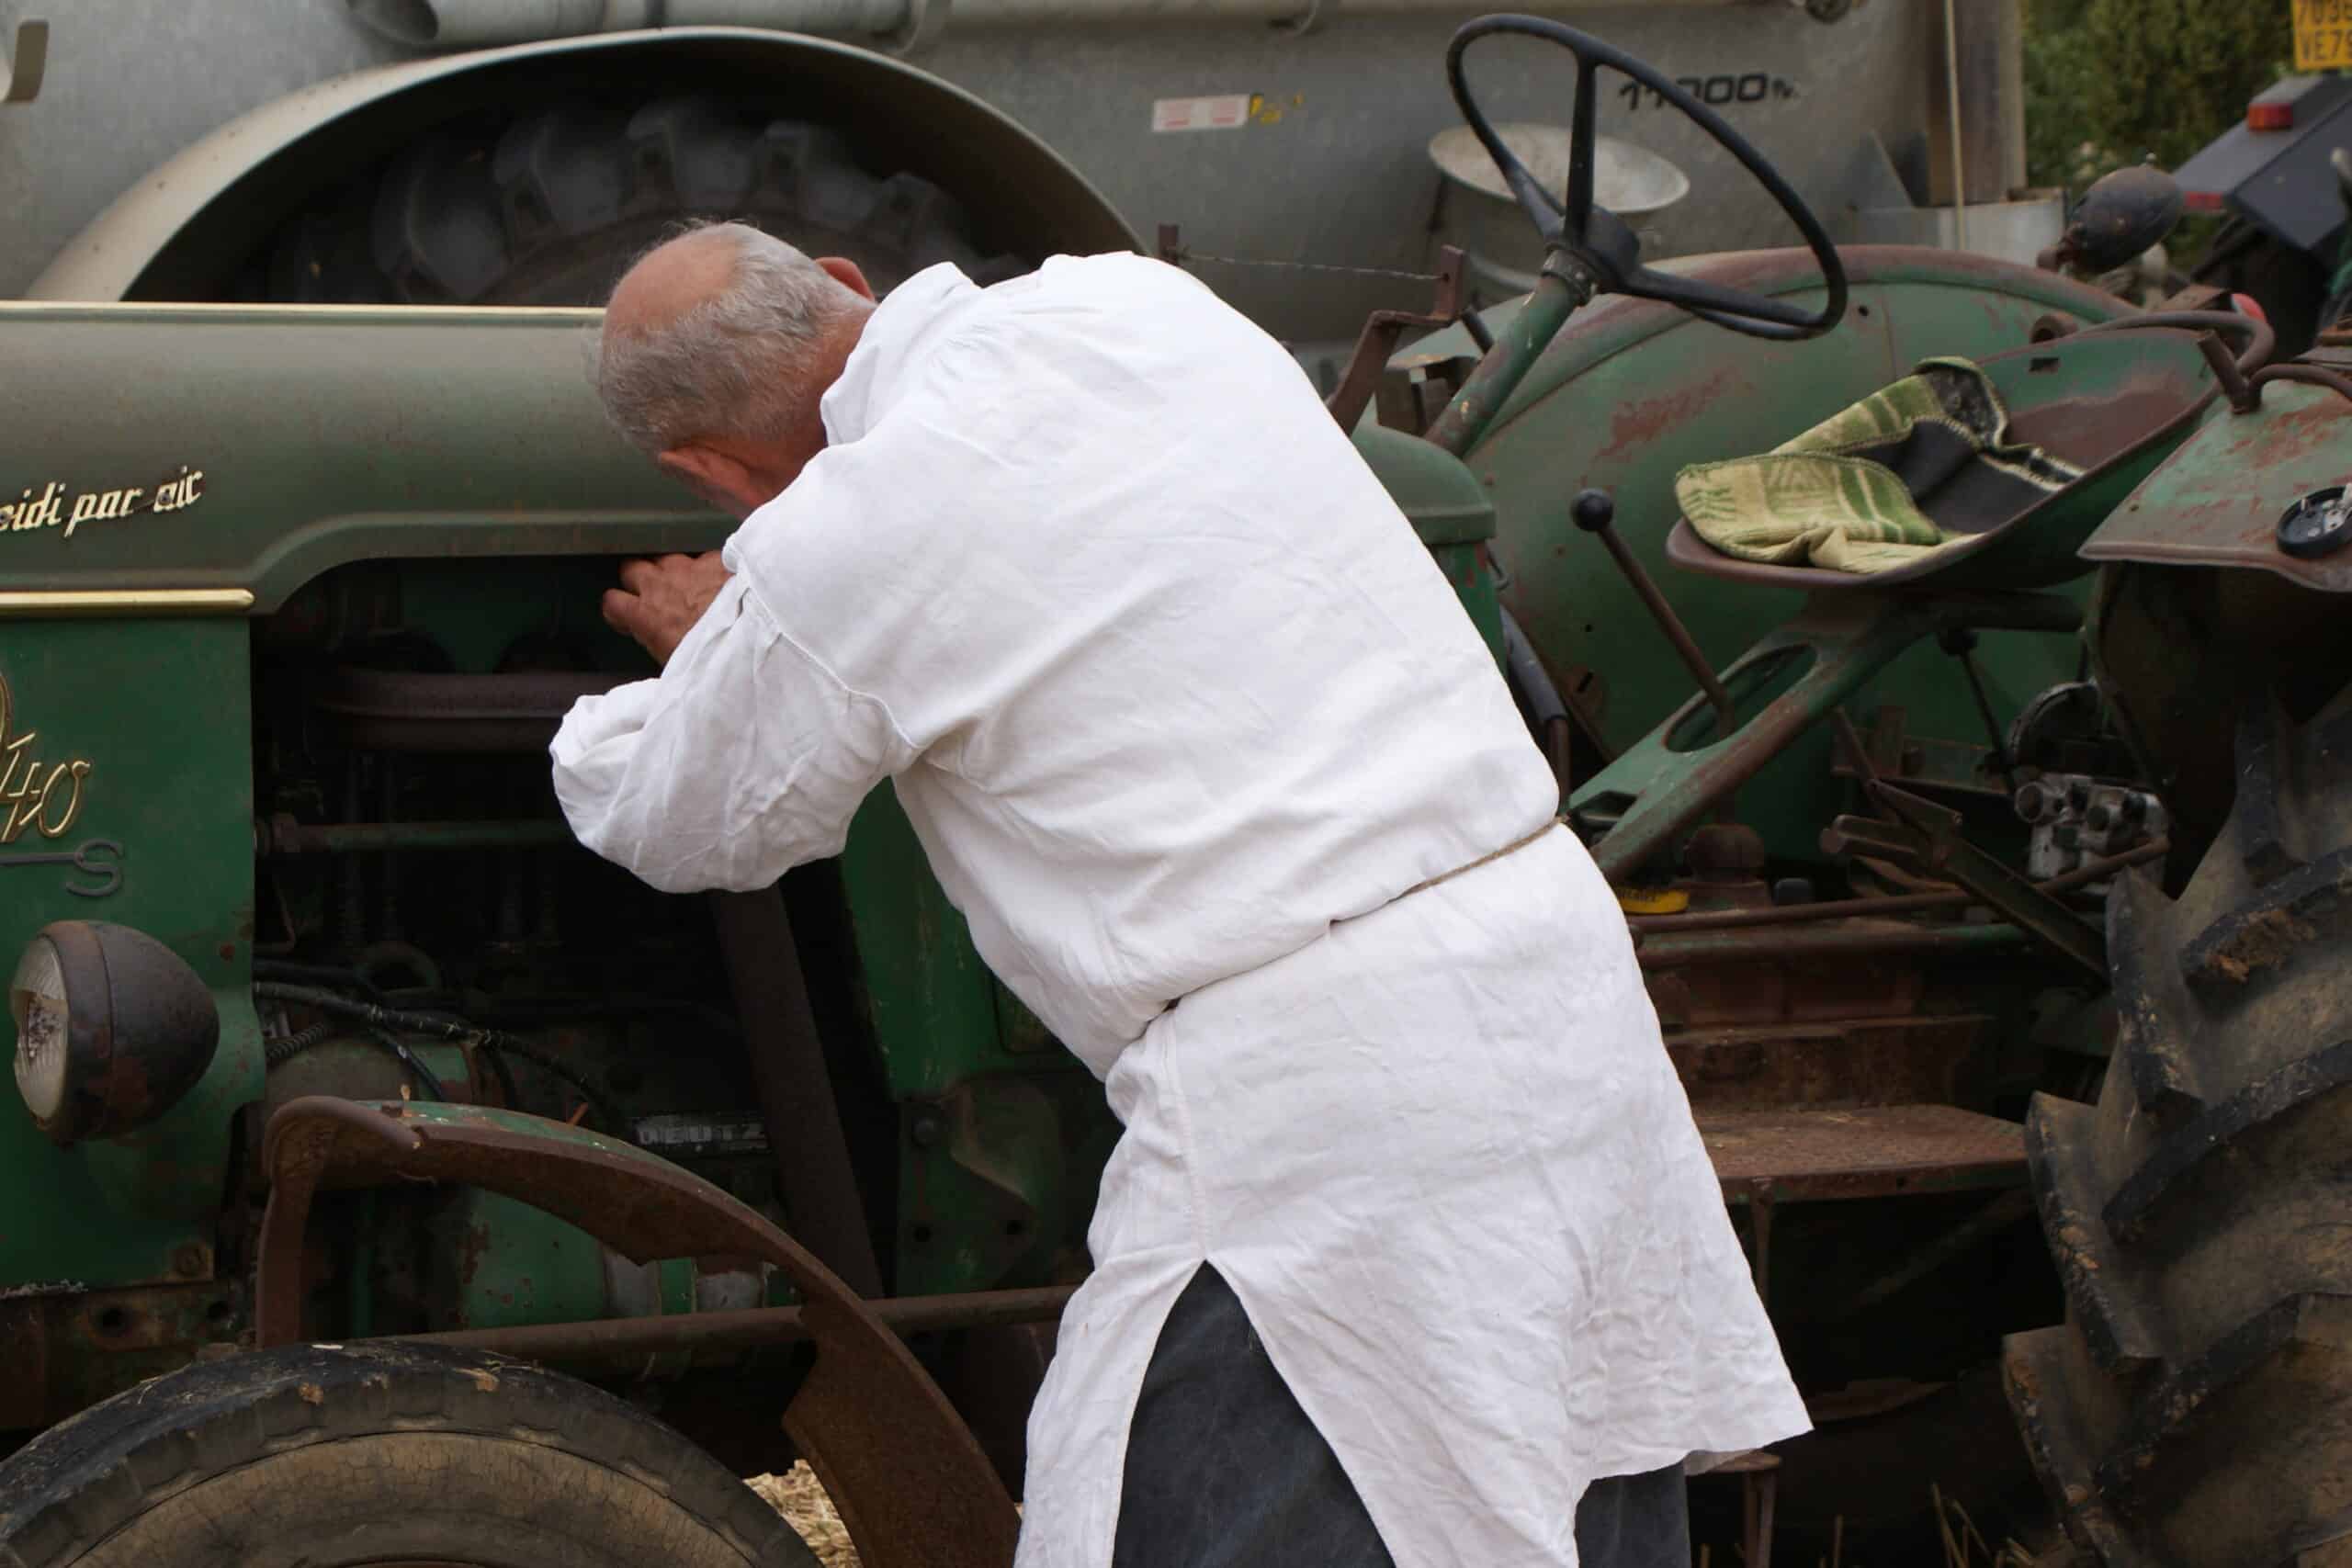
{"x": 2196, "y": 1408}
{"x": 325, "y": 1456}
{"x": 550, "y": 204}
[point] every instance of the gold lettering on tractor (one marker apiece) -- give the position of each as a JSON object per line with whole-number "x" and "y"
{"x": 34, "y": 792}
{"x": 57, "y": 505}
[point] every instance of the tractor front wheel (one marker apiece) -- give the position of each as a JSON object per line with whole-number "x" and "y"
{"x": 328, "y": 1456}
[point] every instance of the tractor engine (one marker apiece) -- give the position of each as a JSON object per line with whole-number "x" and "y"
{"x": 427, "y": 929}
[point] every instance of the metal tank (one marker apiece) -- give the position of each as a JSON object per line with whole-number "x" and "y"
{"x": 1288, "y": 131}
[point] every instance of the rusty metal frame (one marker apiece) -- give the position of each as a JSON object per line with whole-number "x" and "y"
{"x": 1927, "y": 837}
{"x": 2090, "y": 871}
{"x": 911, "y": 1483}
{"x": 1378, "y": 341}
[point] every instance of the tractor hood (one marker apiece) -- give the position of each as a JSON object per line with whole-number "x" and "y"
{"x": 2217, "y": 500}
{"x": 205, "y": 457}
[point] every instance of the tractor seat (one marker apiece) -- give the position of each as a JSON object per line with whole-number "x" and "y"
{"x": 2109, "y": 404}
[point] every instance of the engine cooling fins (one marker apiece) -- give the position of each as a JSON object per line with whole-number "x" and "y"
{"x": 2196, "y": 1408}
{"x": 550, "y": 204}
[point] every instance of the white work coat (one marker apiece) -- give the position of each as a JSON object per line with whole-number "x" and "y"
{"x": 1183, "y": 713}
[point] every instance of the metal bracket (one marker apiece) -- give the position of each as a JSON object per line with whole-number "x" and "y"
{"x": 1927, "y": 836}
{"x": 1378, "y": 341}
{"x": 20, "y": 79}
{"x": 909, "y": 1481}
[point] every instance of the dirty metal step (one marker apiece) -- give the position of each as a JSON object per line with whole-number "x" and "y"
{"x": 1793, "y": 1155}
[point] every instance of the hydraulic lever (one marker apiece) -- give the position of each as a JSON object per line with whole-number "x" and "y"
{"x": 1595, "y": 512}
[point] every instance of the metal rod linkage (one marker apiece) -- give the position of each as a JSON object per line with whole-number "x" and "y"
{"x": 625, "y": 1337}
{"x": 284, "y": 836}
{"x": 1904, "y": 904}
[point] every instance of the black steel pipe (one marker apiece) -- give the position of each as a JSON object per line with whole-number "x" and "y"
{"x": 2305, "y": 375}
{"x": 284, "y": 836}
{"x": 629, "y": 1337}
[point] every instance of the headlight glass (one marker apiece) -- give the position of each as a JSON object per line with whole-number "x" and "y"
{"x": 37, "y": 1000}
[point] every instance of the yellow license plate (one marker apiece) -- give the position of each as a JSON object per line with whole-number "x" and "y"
{"x": 2323, "y": 34}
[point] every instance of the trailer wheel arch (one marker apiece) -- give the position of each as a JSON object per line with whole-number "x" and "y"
{"x": 191, "y": 230}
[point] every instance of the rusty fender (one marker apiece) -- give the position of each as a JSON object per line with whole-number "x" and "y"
{"x": 909, "y": 1481}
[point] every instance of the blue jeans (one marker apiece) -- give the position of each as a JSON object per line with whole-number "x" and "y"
{"x": 1224, "y": 1470}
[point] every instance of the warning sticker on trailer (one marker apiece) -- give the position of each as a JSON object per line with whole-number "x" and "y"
{"x": 1230, "y": 111}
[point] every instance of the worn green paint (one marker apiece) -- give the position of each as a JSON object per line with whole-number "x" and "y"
{"x": 157, "y": 708}
{"x": 1450, "y": 512}
{"x": 2217, "y": 500}
{"x": 1793, "y": 678}
{"x": 928, "y": 998}
{"x": 1630, "y": 392}
{"x": 472, "y": 433}
{"x": 984, "y": 1197}
{"x": 1672, "y": 774}
{"x": 515, "y": 1263}
{"x": 1521, "y": 339}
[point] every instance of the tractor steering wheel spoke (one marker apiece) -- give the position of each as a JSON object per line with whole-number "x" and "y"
{"x": 1712, "y": 301}
{"x": 1568, "y": 223}
{"x": 1583, "y": 141}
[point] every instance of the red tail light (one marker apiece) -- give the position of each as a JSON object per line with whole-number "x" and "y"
{"x": 2274, "y": 115}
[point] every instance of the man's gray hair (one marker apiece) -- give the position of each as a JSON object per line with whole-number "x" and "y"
{"x": 738, "y": 363}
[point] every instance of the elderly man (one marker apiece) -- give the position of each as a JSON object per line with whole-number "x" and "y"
{"x": 1409, "y": 1252}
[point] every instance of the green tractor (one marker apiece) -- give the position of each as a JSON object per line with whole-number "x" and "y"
{"x": 396, "y": 1182}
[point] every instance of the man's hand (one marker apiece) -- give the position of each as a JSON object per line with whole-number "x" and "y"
{"x": 659, "y": 601}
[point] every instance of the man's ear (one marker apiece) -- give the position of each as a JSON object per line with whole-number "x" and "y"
{"x": 844, "y": 271}
{"x": 717, "y": 478}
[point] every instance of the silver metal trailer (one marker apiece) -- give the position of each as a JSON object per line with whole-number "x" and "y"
{"x": 1290, "y": 132}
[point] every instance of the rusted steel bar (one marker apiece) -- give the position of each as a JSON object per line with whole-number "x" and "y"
{"x": 1755, "y": 947}
{"x": 1904, "y": 904}
{"x": 621, "y": 1337}
{"x": 2235, "y": 386}
{"x": 1378, "y": 343}
{"x": 913, "y": 1487}
{"x": 1929, "y": 837}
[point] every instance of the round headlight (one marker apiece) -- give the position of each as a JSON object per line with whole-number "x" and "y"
{"x": 37, "y": 1002}
{"x": 113, "y": 1029}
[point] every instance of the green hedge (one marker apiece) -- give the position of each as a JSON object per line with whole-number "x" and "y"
{"x": 2111, "y": 81}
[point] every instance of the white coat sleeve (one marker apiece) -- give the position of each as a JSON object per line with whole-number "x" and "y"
{"x": 746, "y": 757}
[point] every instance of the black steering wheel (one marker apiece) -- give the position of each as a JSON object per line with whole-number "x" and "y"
{"x": 1600, "y": 252}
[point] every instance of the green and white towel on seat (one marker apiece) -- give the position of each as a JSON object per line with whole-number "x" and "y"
{"x": 1852, "y": 493}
